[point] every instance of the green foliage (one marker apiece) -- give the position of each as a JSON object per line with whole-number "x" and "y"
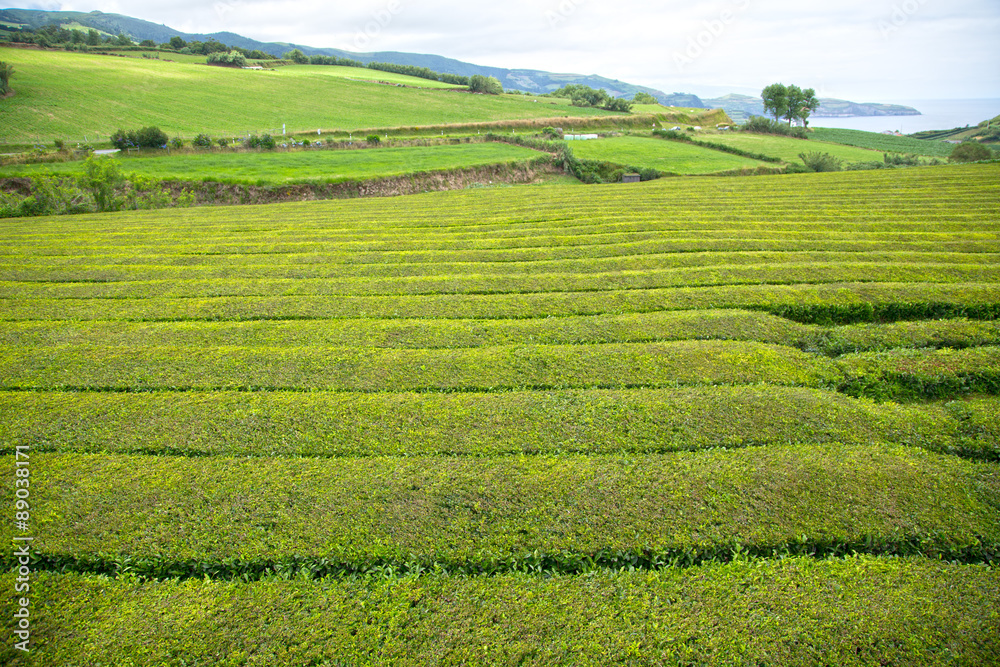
{"x": 177, "y": 142}
{"x": 227, "y": 59}
{"x": 853, "y": 612}
{"x": 585, "y": 96}
{"x": 789, "y": 102}
{"x": 147, "y": 137}
{"x": 644, "y": 98}
{"x": 816, "y": 161}
{"x": 725, "y": 148}
{"x": 49, "y": 196}
{"x": 202, "y": 141}
{"x": 552, "y": 133}
{"x": 761, "y": 125}
{"x": 102, "y": 177}
{"x": 265, "y": 142}
{"x": 690, "y": 157}
{"x": 296, "y": 56}
{"x": 177, "y": 43}
{"x": 373, "y": 139}
{"x": 970, "y": 151}
{"x": 485, "y": 84}
{"x": 6, "y": 72}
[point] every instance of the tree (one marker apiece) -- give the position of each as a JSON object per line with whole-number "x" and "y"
{"x": 6, "y": 71}
{"x": 176, "y": 43}
{"x": 297, "y": 57}
{"x": 485, "y": 84}
{"x": 123, "y": 40}
{"x": 102, "y": 177}
{"x": 970, "y": 151}
{"x": 93, "y": 37}
{"x": 789, "y": 102}
{"x": 775, "y": 99}
{"x": 644, "y": 98}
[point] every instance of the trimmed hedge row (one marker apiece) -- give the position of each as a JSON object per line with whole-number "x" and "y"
{"x": 794, "y": 611}
{"x": 334, "y": 267}
{"x": 965, "y": 299}
{"x": 450, "y": 334}
{"x": 467, "y": 283}
{"x": 463, "y": 513}
{"x": 585, "y": 421}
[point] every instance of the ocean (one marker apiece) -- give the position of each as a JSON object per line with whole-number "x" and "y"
{"x": 935, "y": 115}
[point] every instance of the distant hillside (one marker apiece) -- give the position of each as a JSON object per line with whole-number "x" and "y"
{"x": 741, "y": 107}
{"x": 534, "y": 81}
{"x": 986, "y": 132}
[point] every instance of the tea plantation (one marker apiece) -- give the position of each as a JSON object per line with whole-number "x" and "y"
{"x": 696, "y": 421}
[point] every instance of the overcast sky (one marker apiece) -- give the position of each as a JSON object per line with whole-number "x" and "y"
{"x": 862, "y": 50}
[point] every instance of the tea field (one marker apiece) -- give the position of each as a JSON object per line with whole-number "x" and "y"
{"x": 696, "y": 421}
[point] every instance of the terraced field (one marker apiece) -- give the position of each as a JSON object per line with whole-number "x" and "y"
{"x": 702, "y": 421}
{"x": 670, "y": 156}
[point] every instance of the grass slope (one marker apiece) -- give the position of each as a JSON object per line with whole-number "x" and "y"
{"x": 788, "y": 148}
{"x": 324, "y": 166}
{"x": 70, "y": 95}
{"x": 671, "y": 157}
{"x": 882, "y": 142}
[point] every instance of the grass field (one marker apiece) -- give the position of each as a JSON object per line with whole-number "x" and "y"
{"x": 882, "y": 142}
{"x": 327, "y": 166}
{"x": 692, "y": 421}
{"x": 788, "y": 148}
{"x": 69, "y": 96}
{"x": 669, "y": 156}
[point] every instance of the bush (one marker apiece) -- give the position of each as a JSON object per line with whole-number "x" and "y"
{"x": 552, "y": 133}
{"x": 102, "y": 177}
{"x": 373, "y": 139}
{"x": 222, "y": 142}
{"x": 485, "y": 84}
{"x": 970, "y": 151}
{"x": 895, "y": 159}
{"x": 177, "y": 142}
{"x": 147, "y": 137}
{"x": 644, "y": 98}
{"x": 762, "y": 125}
{"x": 227, "y": 59}
{"x": 202, "y": 141}
{"x": 816, "y": 161}
{"x": 6, "y": 71}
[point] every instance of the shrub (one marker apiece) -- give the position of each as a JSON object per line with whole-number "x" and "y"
{"x": 373, "y": 139}
{"x": 203, "y": 141}
{"x": 762, "y": 125}
{"x": 102, "y": 177}
{"x": 816, "y": 161}
{"x": 485, "y": 84}
{"x": 151, "y": 137}
{"x": 970, "y": 151}
{"x": 222, "y": 142}
{"x": 895, "y": 159}
{"x": 177, "y": 142}
{"x": 552, "y": 133}
{"x": 6, "y": 71}
{"x": 59, "y": 144}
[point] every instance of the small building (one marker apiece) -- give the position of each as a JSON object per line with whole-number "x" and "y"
{"x": 630, "y": 178}
{"x": 580, "y": 137}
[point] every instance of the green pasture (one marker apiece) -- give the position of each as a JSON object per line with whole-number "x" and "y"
{"x": 74, "y": 96}
{"x": 707, "y": 421}
{"x": 275, "y": 168}
{"x": 788, "y": 148}
{"x": 668, "y": 156}
{"x": 882, "y": 142}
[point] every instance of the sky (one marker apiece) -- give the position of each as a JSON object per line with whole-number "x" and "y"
{"x": 861, "y": 50}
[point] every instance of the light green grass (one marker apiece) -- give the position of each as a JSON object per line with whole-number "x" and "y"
{"x": 325, "y": 166}
{"x": 308, "y": 72}
{"x": 788, "y": 148}
{"x": 669, "y": 156}
{"x": 72, "y": 95}
{"x": 882, "y": 142}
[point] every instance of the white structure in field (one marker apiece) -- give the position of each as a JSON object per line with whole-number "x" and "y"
{"x": 580, "y": 137}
